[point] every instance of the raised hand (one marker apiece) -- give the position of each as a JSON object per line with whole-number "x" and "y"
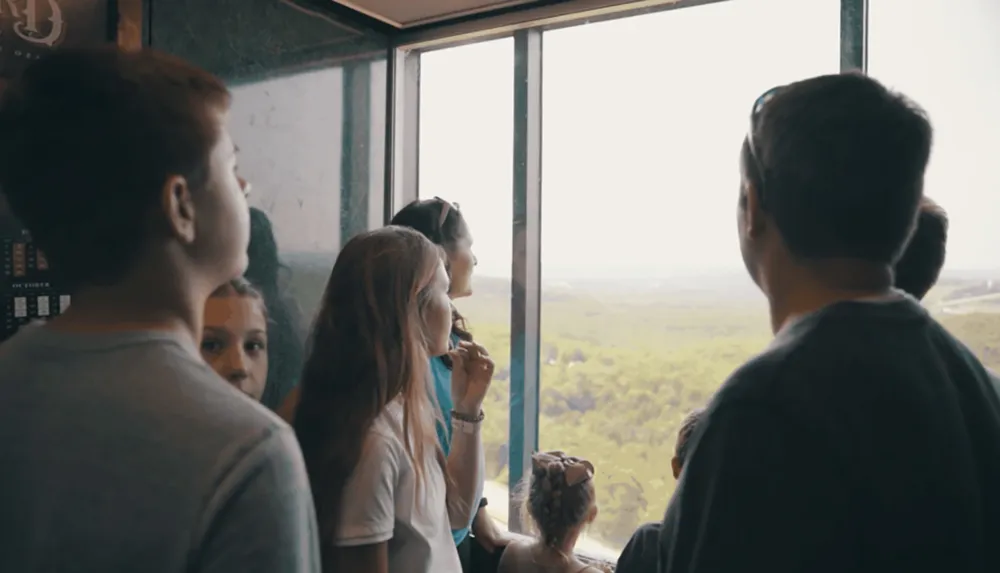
{"x": 471, "y": 374}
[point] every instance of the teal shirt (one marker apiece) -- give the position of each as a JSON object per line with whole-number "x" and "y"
{"x": 442, "y": 390}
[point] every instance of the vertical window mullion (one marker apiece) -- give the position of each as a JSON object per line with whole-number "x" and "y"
{"x": 402, "y": 130}
{"x": 525, "y": 302}
{"x": 854, "y": 35}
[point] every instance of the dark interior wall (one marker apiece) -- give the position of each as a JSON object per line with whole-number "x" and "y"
{"x": 308, "y": 113}
{"x": 242, "y": 40}
{"x": 28, "y": 291}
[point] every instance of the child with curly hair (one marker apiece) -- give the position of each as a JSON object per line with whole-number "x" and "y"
{"x": 561, "y": 502}
{"x": 642, "y": 553}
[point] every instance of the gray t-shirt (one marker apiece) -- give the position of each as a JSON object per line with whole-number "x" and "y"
{"x": 124, "y": 452}
{"x": 383, "y": 503}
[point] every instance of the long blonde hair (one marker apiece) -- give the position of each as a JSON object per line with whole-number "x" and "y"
{"x": 367, "y": 349}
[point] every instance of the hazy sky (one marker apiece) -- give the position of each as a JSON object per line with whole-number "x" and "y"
{"x": 643, "y": 118}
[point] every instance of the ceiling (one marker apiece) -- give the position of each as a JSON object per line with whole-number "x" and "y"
{"x": 404, "y": 14}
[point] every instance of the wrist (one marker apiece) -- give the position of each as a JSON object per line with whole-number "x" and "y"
{"x": 466, "y": 424}
{"x": 468, "y": 409}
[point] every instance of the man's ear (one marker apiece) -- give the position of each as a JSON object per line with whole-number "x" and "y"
{"x": 752, "y": 212}
{"x": 592, "y": 515}
{"x": 675, "y": 465}
{"x": 178, "y": 208}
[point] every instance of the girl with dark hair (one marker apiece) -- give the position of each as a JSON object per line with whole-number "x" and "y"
{"x": 442, "y": 222}
{"x": 385, "y": 496}
{"x": 285, "y": 327}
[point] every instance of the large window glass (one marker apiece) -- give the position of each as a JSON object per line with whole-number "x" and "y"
{"x": 646, "y": 306}
{"x": 312, "y": 148}
{"x": 466, "y": 156}
{"x": 945, "y": 54}
{"x": 290, "y": 139}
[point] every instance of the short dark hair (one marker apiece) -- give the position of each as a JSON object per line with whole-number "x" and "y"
{"x": 843, "y": 161}
{"x": 918, "y": 269}
{"x": 683, "y": 447}
{"x": 88, "y": 138}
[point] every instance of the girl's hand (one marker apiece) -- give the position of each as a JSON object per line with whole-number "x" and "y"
{"x": 471, "y": 374}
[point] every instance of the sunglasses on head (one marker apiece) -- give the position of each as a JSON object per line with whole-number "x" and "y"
{"x": 755, "y": 112}
{"x": 445, "y": 208}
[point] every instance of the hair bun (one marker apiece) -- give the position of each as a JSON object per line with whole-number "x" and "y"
{"x": 558, "y": 498}
{"x": 553, "y": 464}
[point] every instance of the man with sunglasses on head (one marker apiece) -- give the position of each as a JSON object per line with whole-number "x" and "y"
{"x": 865, "y": 438}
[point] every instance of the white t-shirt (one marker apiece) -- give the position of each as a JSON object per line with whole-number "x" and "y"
{"x": 381, "y": 503}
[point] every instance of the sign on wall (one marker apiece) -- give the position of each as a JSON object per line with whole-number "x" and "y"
{"x": 29, "y": 29}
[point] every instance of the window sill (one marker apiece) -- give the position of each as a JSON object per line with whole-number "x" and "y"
{"x": 581, "y": 555}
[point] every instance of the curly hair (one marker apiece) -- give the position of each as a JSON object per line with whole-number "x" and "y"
{"x": 684, "y": 434}
{"x": 918, "y": 268}
{"x": 560, "y": 495}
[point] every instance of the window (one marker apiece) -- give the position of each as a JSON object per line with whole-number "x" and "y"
{"x": 946, "y": 56}
{"x": 466, "y": 153}
{"x": 646, "y": 307}
{"x": 289, "y": 138}
{"x": 316, "y": 179}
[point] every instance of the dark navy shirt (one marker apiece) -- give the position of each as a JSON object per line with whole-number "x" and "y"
{"x": 864, "y": 439}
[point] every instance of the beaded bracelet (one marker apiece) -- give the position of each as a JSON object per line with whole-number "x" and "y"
{"x": 470, "y": 419}
{"x": 466, "y": 424}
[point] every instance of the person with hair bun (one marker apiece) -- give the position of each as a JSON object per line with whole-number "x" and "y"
{"x": 560, "y": 502}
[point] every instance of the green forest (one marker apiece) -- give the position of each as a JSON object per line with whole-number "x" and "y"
{"x": 621, "y": 368}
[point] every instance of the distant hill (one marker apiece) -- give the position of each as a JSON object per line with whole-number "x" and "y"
{"x": 310, "y": 271}
{"x": 977, "y": 288}
{"x": 957, "y": 291}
